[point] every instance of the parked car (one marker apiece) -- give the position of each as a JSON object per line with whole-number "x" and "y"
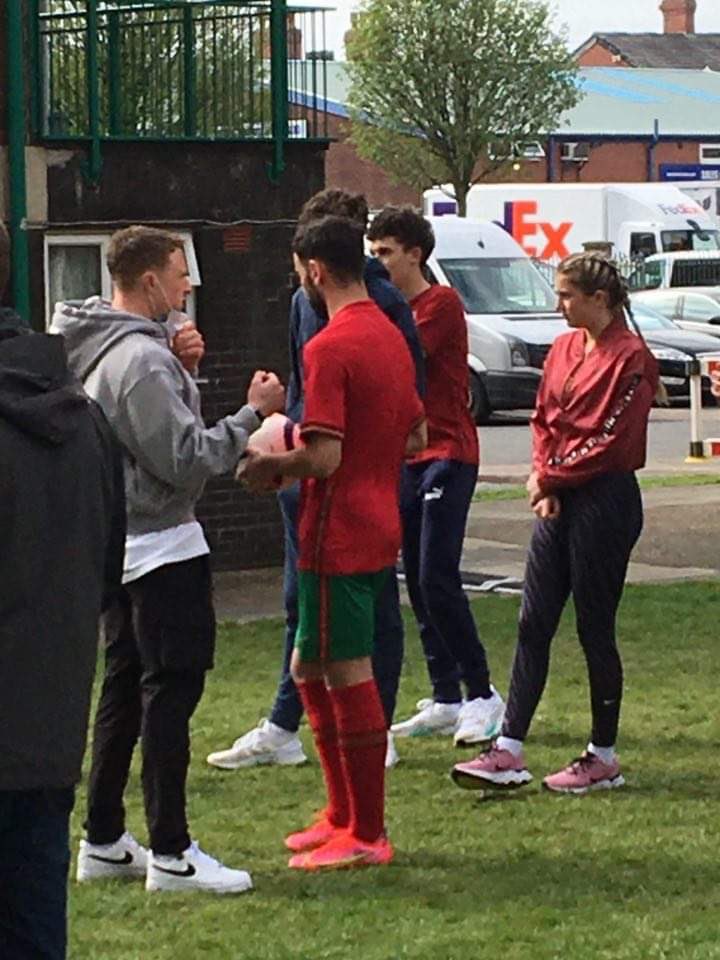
{"x": 686, "y": 269}
{"x": 692, "y": 308}
{"x": 673, "y": 347}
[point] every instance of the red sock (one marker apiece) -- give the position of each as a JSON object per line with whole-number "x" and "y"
{"x": 362, "y": 734}
{"x": 321, "y": 717}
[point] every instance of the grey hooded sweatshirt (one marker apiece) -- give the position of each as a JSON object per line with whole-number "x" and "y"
{"x": 153, "y": 406}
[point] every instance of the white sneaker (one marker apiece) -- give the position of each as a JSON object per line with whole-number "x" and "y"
{"x": 432, "y": 719}
{"x": 194, "y": 870}
{"x": 480, "y": 720}
{"x": 392, "y": 758}
{"x": 266, "y": 744}
{"x": 124, "y": 859}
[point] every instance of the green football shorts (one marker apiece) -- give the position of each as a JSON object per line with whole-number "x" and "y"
{"x": 336, "y": 614}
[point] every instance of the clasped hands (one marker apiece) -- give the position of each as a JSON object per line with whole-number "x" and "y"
{"x": 545, "y": 506}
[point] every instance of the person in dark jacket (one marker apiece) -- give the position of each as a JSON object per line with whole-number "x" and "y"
{"x": 589, "y": 437}
{"x": 62, "y": 528}
{"x": 275, "y": 740}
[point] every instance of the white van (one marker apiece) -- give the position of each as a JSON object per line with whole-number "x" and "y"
{"x": 510, "y": 307}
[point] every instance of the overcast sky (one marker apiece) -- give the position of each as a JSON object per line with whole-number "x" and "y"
{"x": 582, "y": 18}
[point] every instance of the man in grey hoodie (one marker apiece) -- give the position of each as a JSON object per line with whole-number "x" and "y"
{"x": 160, "y": 635}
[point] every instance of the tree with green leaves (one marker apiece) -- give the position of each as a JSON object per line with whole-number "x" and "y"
{"x": 448, "y": 91}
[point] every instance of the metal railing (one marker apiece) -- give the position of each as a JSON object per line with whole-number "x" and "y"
{"x": 701, "y": 269}
{"x": 174, "y": 69}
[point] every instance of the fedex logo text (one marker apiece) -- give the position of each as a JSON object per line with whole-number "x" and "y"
{"x": 522, "y": 224}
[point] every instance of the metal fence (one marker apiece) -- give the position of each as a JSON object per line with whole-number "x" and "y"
{"x": 175, "y": 69}
{"x": 699, "y": 270}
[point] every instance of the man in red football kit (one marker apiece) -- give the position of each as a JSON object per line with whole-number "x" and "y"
{"x": 437, "y": 489}
{"x": 362, "y": 417}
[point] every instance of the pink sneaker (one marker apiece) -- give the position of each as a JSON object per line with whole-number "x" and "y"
{"x": 586, "y": 773}
{"x": 495, "y": 768}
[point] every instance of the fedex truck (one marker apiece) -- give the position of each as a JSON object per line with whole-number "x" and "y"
{"x": 552, "y": 220}
{"x": 706, "y": 194}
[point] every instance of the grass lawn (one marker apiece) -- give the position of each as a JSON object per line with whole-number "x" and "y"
{"x": 629, "y": 874}
{"x": 650, "y": 482}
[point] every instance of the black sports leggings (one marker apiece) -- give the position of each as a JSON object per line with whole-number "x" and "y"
{"x": 585, "y": 551}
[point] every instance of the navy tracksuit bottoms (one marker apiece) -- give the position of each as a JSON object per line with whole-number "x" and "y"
{"x": 435, "y": 498}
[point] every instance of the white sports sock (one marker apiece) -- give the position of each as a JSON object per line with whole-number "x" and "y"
{"x": 278, "y": 731}
{"x": 507, "y": 743}
{"x": 606, "y": 754}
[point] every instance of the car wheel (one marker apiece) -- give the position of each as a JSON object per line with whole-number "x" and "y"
{"x": 478, "y": 402}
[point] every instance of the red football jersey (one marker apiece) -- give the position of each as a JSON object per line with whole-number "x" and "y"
{"x": 359, "y": 387}
{"x": 440, "y": 321}
{"x": 592, "y": 410}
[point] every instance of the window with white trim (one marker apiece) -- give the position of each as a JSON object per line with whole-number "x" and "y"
{"x": 710, "y": 153}
{"x": 76, "y": 268}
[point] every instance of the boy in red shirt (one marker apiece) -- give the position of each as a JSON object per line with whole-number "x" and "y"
{"x": 362, "y": 417}
{"x": 437, "y": 489}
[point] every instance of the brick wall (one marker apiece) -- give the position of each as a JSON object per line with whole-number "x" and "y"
{"x": 345, "y": 169}
{"x": 608, "y": 163}
{"x": 598, "y": 55}
{"x": 242, "y": 305}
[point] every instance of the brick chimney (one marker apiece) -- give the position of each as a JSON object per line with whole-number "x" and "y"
{"x": 679, "y": 15}
{"x": 294, "y": 40}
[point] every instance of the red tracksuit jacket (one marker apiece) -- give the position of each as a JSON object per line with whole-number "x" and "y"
{"x": 592, "y": 411}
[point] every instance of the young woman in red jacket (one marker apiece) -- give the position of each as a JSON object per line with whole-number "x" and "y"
{"x": 589, "y": 436}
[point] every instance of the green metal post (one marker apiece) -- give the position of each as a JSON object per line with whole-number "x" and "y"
{"x": 94, "y": 166}
{"x": 36, "y": 87}
{"x": 279, "y": 86}
{"x": 189, "y": 73}
{"x": 114, "y": 75}
{"x": 17, "y": 135}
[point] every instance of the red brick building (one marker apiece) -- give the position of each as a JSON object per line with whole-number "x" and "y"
{"x": 612, "y": 135}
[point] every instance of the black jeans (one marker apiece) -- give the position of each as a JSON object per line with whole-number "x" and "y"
{"x": 159, "y": 642}
{"x": 585, "y": 551}
{"x": 434, "y": 503}
{"x": 34, "y": 860}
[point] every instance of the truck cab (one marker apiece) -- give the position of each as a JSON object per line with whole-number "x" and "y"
{"x": 645, "y": 239}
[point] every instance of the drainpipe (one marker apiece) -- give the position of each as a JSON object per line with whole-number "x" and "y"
{"x": 552, "y": 160}
{"x": 651, "y": 152}
{"x": 17, "y": 136}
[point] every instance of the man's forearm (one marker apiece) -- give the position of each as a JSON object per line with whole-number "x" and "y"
{"x": 301, "y": 463}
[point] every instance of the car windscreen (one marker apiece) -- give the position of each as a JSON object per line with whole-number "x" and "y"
{"x": 689, "y": 240}
{"x": 648, "y": 319}
{"x": 508, "y": 285}
{"x": 696, "y": 273}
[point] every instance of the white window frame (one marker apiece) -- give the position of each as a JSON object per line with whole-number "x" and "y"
{"x": 709, "y": 161}
{"x": 102, "y": 240}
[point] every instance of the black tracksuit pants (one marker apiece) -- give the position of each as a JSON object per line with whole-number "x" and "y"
{"x": 584, "y": 552}
{"x": 159, "y": 641}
